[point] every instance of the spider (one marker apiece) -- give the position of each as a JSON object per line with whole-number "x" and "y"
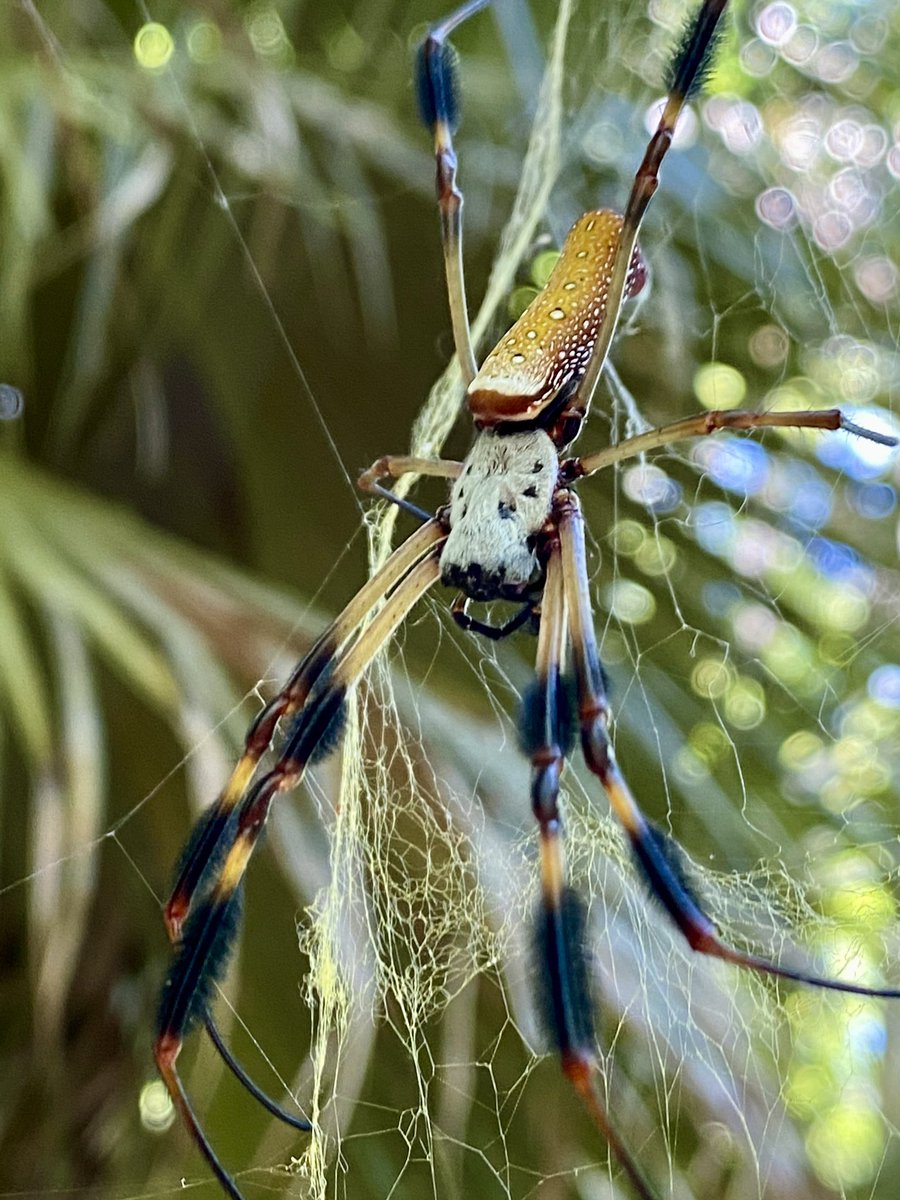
{"x": 512, "y": 530}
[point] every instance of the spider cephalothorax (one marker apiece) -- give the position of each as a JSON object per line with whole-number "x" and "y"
{"x": 513, "y": 530}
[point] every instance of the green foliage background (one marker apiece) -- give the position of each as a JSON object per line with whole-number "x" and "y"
{"x": 221, "y": 297}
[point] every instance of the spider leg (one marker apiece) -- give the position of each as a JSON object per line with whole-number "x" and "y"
{"x": 712, "y": 422}
{"x": 227, "y": 1056}
{"x": 437, "y": 87}
{"x": 657, "y": 856}
{"x": 198, "y": 858}
{"x": 378, "y": 489}
{"x": 392, "y": 466}
{"x": 546, "y": 733}
{"x": 686, "y": 76}
{"x": 208, "y": 905}
{"x": 459, "y": 611}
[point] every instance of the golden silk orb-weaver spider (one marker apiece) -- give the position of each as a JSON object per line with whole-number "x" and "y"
{"x": 512, "y": 530}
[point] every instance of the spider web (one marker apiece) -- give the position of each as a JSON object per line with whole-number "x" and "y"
{"x": 745, "y": 601}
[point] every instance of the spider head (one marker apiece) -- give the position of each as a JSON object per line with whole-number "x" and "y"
{"x": 497, "y": 507}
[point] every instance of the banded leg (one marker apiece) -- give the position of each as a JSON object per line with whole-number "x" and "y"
{"x": 657, "y": 856}
{"x": 686, "y": 76}
{"x": 547, "y": 733}
{"x": 207, "y": 934}
{"x": 199, "y": 858}
{"x": 437, "y": 87}
{"x": 707, "y": 423}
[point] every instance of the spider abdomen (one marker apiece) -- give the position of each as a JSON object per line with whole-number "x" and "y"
{"x": 498, "y": 505}
{"x": 551, "y": 342}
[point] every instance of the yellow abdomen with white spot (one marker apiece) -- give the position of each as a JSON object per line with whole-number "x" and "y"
{"x": 551, "y": 342}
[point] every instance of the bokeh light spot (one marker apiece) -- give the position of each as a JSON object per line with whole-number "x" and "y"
{"x": 267, "y": 33}
{"x": 519, "y": 299}
{"x": 741, "y": 126}
{"x": 846, "y": 1144}
{"x": 630, "y": 602}
{"x": 651, "y": 486}
{"x": 844, "y": 140}
{"x": 745, "y": 703}
{"x": 714, "y": 527}
{"x": 712, "y": 678}
{"x": 884, "y": 685}
{"x": 835, "y": 62}
{"x": 831, "y": 230}
{"x": 157, "y": 1112}
{"x": 738, "y": 464}
{"x": 718, "y": 385}
{"x": 12, "y": 402}
{"x": 769, "y": 346}
{"x": 777, "y": 207}
{"x": 877, "y": 278}
{"x": 757, "y": 58}
{"x": 153, "y": 46}
{"x": 204, "y": 42}
{"x": 347, "y": 49}
{"x": 874, "y": 147}
{"x": 797, "y": 750}
{"x": 868, "y": 32}
{"x": 801, "y": 46}
{"x": 874, "y": 501}
{"x": 709, "y": 742}
{"x": 776, "y": 23}
{"x": 627, "y": 537}
{"x": 542, "y": 266}
{"x": 656, "y": 556}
